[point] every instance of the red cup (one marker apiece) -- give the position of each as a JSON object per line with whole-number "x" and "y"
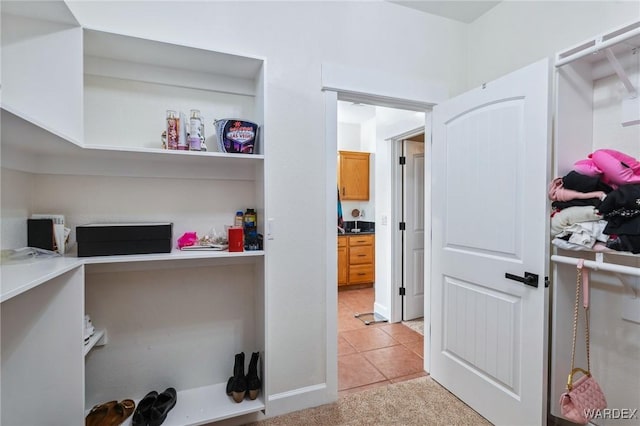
{"x": 236, "y": 239}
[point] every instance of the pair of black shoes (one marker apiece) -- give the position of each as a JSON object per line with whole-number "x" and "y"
{"x": 152, "y": 410}
{"x": 240, "y": 385}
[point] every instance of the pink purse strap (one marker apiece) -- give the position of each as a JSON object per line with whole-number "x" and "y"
{"x": 585, "y": 284}
{"x": 582, "y": 278}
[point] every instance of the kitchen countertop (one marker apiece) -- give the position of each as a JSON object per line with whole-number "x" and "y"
{"x": 356, "y": 233}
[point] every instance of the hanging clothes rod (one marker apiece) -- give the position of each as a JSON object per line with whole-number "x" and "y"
{"x": 598, "y": 265}
{"x": 597, "y": 44}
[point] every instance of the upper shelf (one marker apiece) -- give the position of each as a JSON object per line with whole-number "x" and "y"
{"x": 102, "y": 109}
{"x": 49, "y": 153}
{"x": 49, "y": 10}
{"x": 156, "y": 61}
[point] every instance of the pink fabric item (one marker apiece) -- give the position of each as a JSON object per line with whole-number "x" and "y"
{"x": 558, "y": 193}
{"x": 587, "y": 167}
{"x": 188, "y": 239}
{"x": 614, "y": 167}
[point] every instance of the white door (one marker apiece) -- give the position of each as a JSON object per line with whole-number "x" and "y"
{"x": 489, "y": 213}
{"x": 413, "y": 194}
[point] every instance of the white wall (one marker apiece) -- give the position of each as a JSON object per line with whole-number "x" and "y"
{"x": 16, "y": 207}
{"x": 348, "y": 136}
{"x": 516, "y": 33}
{"x": 296, "y": 38}
{"x": 352, "y": 137}
{"x": 360, "y": 138}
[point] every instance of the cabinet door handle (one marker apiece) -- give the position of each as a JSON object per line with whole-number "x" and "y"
{"x": 343, "y": 190}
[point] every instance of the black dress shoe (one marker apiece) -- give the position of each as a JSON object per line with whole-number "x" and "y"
{"x": 141, "y": 415}
{"x": 252, "y": 379}
{"x": 161, "y": 407}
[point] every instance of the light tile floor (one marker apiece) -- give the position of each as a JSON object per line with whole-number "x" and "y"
{"x": 373, "y": 355}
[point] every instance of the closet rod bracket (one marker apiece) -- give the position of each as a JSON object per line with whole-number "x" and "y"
{"x": 617, "y": 67}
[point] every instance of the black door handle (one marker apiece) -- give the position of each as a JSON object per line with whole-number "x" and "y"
{"x": 528, "y": 279}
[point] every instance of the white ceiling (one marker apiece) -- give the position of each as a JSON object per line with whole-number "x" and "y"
{"x": 349, "y": 112}
{"x": 355, "y": 113}
{"x": 463, "y": 11}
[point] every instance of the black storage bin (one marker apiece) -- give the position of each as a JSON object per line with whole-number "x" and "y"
{"x": 106, "y": 239}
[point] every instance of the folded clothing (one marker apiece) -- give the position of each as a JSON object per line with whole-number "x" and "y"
{"x": 571, "y": 215}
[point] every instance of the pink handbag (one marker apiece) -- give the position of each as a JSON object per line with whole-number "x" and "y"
{"x": 583, "y": 398}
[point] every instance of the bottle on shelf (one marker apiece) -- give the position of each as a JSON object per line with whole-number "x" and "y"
{"x": 196, "y": 130}
{"x": 173, "y": 125}
{"x": 239, "y": 219}
{"x": 250, "y": 226}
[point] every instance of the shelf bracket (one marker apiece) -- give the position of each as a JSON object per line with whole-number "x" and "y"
{"x": 628, "y": 288}
{"x": 633, "y": 93}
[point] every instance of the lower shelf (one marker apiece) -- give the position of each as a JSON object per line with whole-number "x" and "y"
{"x": 207, "y": 404}
{"x": 98, "y": 339}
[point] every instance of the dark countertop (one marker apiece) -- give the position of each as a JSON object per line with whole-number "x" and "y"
{"x": 356, "y": 233}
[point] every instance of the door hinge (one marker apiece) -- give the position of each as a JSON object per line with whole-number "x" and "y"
{"x": 402, "y": 291}
{"x": 403, "y": 226}
{"x": 403, "y": 160}
{"x": 546, "y": 282}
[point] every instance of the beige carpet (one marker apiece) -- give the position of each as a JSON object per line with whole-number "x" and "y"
{"x": 415, "y": 325}
{"x": 414, "y": 402}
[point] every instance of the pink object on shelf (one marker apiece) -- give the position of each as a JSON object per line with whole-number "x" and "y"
{"x": 188, "y": 239}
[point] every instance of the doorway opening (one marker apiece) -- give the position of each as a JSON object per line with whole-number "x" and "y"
{"x": 380, "y": 349}
{"x": 408, "y": 194}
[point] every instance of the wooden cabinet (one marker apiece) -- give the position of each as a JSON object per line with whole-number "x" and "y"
{"x": 353, "y": 175}
{"x": 356, "y": 259}
{"x": 343, "y": 261}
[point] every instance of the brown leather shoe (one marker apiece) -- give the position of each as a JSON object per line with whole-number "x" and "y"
{"x": 98, "y": 413}
{"x": 112, "y": 413}
{"x": 119, "y": 413}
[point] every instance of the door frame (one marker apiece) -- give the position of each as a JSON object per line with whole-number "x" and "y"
{"x": 376, "y": 88}
{"x": 396, "y": 214}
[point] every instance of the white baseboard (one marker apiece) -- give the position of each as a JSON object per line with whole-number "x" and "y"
{"x": 298, "y": 399}
{"x": 382, "y": 311}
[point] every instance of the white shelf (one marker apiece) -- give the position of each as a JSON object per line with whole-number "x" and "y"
{"x": 53, "y": 154}
{"x": 207, "y": 404}
{"x": 174, "y": 255}
{"x": 96, "y": 340}
{"x": 20, "y": 277}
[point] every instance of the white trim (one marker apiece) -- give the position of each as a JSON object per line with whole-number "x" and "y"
{"x": 428, "y": 169}
{"x": 331, "y": 204}
{"x": 298, "y": 399}
{"x": 382, "y": 87}
{"x": 396, "y": 236}
{"x": 377, "y": 88}
{"x": 408, "y": 134}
